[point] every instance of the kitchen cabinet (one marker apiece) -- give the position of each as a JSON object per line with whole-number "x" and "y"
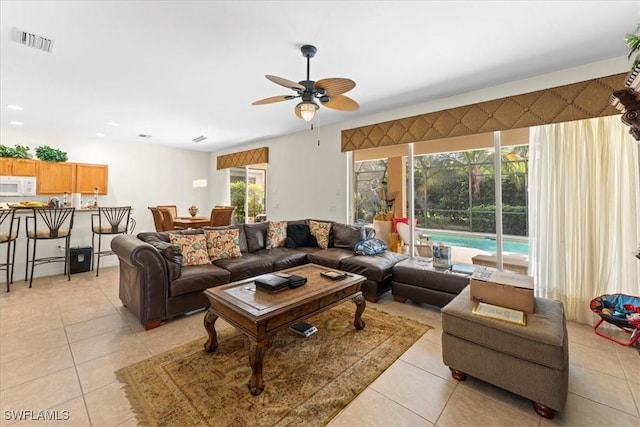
{"x": 56, "y": 177}
{"x": 60, "y": 177}
{"x": 90, "y": 176}
{"x": 18, "y": 167}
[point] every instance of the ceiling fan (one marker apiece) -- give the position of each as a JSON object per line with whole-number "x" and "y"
{"x": 328, "y": 91}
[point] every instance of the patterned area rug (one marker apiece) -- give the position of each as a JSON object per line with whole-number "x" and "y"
{"x": 307, "y": 380}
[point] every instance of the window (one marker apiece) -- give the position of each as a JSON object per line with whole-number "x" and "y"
{"x": 248, "y": 192}
{"x": 369, "y": 179}
{"x": 456, "y": 191}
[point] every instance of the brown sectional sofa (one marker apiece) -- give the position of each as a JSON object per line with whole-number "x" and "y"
{"x": 154, "y": 285}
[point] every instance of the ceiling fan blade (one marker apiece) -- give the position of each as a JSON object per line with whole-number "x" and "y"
{"x": 273, "y": 99}
{"x": 341, "y": 102}
{"x": 335, "y": 85}
{"x": 286, "y": 83}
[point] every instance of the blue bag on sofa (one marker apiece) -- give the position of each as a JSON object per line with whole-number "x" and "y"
{"x": 370, "y": 247}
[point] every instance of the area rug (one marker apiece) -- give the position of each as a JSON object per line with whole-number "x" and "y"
{"x": 307, "y": 380}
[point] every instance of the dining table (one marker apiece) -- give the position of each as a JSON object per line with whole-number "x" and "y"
{"x": 191, "y": 221}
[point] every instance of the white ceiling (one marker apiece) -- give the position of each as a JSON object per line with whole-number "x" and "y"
{"x": 180, "y": 69}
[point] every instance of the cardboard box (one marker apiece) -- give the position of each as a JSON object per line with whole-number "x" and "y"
{"x": 503, "y": 289}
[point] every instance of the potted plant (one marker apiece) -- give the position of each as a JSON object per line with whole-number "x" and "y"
{"x": 19, "y": 152}
{"x": 48, "y": 154}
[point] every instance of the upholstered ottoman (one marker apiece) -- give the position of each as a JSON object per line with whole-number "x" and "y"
{"x": 531, "y": 361}
{"x": 417, "y": 280}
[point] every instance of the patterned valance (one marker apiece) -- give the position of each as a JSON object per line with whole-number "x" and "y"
{"x": 576, "y": 101}
{"x": 244, "y": 158}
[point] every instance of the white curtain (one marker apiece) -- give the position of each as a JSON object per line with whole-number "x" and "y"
{"x": 584, "y": 212}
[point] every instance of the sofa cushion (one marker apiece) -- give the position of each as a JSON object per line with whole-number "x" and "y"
{"x": 346, "y": 235}
{"x": 248, "y": 265}
{"x": 320, "y": 230}
{"x": 256, "y": 236}
{"x": 283, "y": 257}
{"x": 193, "y": 248}
{"x": 298, "y": 235}
{"x": 198, "y": 278}
{"x": 276, "y": 234}
{"x": 330, "y": 257}
{"x": 223, "y": 244}
{"x": 373, "y": 267}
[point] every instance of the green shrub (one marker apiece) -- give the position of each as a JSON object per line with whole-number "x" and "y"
{"x": 48, "y": 154}
{"x": 19, "y": 152}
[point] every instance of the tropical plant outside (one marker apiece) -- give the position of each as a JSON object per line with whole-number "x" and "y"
{"x": 238, "y": 197}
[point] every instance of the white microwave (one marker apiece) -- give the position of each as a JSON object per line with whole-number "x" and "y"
{"x": 17, "y": 186}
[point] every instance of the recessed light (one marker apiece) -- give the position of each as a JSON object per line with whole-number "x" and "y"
{"x": 17, "y": 123}
{"x": 143, "y": 135}
{"x": 99, "y": 134}
{"x": 14, "y": 107}
{"x": 113, "y": 124}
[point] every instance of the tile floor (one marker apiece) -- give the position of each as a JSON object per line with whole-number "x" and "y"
{"x": 60, "y": 343}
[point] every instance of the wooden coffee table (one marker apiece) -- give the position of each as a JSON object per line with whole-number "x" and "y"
{"x": 260, "y": 314}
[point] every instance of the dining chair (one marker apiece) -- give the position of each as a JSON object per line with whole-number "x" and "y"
{"x": 49, "y": 224}
{"x": 157, "y": 218}
{"x": 9, "y": 228}
{"x": 108, "y": 221}
{"x": 221, "y": 216}
{"x": 167, "y": 219}
{"x": 173, "y": 210}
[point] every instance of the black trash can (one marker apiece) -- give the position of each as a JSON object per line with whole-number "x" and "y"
{"x": 80, "y": 259}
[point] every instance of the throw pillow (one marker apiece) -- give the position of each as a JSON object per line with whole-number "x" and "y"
{"x": 346, "y": 236}
{"x": 193, "y": 248}
{"x": 298, "y": 235}
{"x": 223, "y": 244}
{"x": 320, "y": 230}
{"x": 276, "y": 234}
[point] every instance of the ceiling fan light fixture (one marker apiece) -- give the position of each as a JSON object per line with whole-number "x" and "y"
{"x": 308, "y": 110}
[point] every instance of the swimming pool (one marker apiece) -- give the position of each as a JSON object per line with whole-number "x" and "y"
{"x": 478, "y": 242}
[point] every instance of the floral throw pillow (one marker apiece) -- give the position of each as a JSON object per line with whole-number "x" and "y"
{"x": 320, "y": 230}
{"x": 276, "y": 234}
{"x": 223, "y": 244}
{"x": 193, "y": 247}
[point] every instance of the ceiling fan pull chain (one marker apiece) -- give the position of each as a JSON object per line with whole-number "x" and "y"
{"x": 318, "y": 116}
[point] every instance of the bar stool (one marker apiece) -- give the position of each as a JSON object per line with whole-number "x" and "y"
{"x": 49, "y": 224}
{"x": 9, "y": 228}
{"x": 108, "y": 221}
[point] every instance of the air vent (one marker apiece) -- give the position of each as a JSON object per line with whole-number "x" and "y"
{"x": 199, "y": 139}
{"x": 33, "y": 40}
{"x": 142, "y": 135}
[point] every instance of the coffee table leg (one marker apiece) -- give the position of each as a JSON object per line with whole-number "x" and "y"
{"x": 256, "y": 353}
{"x": 210, "y": 325}
{"x": 361, "y": 303}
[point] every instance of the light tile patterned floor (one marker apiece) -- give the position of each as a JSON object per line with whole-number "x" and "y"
{"x": 60, "y": 343}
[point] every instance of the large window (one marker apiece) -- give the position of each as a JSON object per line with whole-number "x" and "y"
{"x": 456, "y": 191}
{"x": 248, "y": 193}
{"x": 370, "y": 178}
